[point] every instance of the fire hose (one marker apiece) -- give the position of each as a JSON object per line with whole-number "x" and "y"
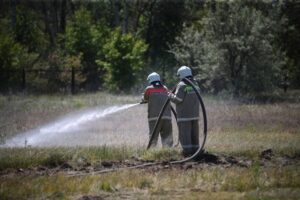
{"x": 201, "y": 146}
{"x": 196, "y": 154}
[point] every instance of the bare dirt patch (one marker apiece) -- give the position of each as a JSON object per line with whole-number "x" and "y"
{"x": 206, "y": 160}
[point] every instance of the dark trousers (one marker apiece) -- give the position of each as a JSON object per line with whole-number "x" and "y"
{"x": 164, "y": 129}
{"x": 189, "y": 136}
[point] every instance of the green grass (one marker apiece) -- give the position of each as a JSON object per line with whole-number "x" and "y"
{"x": 165, "y": 154}
{"x": 248, "y": 183}
{"x": 256, "y": 182}
{"x": 250, "y": 142}
{"x": 14, "y": 158}
{"x": 235, "y": 129}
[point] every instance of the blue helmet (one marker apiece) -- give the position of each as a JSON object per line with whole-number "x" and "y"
{"x": 153, "y": 77}
{"x": 184, "y": 71}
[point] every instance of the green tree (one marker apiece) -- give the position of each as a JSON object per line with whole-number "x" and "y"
{"x": 236, "y": 50}
{"x": 246, "y": 38}
{"x": 9, "y": 52}
{"x": 290, "y": 40}
{"x": 83, "y": 38}
{"x": 191, "y": 48}
{"x": 28, "y": 31}
{"x": 160, "y": 23}
{"x": 14, "y": 56}
{"x": 124, "y": 59}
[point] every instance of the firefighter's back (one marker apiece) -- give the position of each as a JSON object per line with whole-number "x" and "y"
{"x": 157, "y": 96}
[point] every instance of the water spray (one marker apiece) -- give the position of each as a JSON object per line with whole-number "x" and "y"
{"x": 66, "y": 124}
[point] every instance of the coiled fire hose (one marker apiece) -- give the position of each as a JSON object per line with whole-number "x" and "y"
{"x": 201, "y": 146}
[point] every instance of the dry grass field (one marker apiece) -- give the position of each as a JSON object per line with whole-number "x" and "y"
{"x": 256, "y": 148}
{"x": 21, "y": 113}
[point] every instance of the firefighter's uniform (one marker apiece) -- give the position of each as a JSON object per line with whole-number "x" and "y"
{"x": 156, "y": 95}
{"x": 187, "y": 108}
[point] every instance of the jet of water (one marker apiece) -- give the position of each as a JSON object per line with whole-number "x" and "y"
{"x": 72, "y": 123}
{"x": 68, "y": 123}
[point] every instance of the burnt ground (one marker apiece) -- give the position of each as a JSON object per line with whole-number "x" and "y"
{"x": 206, "y": 160}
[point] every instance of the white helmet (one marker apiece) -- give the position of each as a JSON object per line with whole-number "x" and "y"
{"x": 184, "y": 71}
{"x": 153, "y": 77}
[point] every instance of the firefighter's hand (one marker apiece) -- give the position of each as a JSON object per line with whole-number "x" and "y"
{"x": 170, "y": 95}
{"x": 143, "y": 101}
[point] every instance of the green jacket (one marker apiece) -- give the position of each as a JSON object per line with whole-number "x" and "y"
{"x": 186, "y": 100}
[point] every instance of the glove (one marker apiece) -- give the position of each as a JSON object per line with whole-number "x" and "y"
{"x": 143, "y": 101}
{"x": 170, "y": 95}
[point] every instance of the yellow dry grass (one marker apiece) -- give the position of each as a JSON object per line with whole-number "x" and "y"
{"x": 235, "y": 129}
{"x": 167, "y": 183}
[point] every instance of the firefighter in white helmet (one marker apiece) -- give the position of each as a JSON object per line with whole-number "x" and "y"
{"x": 187, "y": 108}
{"x": 156, "y": 95}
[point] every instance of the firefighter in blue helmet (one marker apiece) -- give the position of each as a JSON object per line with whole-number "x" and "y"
{"x": 187, "y": 108}
{"x": 156, "y": 95}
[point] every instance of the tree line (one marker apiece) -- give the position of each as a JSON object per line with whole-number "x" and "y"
{"x": 244, "y": 47}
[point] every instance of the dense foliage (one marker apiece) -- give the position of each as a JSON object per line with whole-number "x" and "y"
{"x": 235, "y": 50}
{"x": 244, "y": 47}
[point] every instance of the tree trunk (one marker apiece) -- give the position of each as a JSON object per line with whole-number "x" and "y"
{"x": 233, "y": 75}
{"x": 13, "y": 4}
{"x": 149, "y": 32}
{"x": 72, "y": 6}
{"x": 125, "y": 21}
{"x": 137, "y": 19}
{"x": 55, "y": 17}
{"x": 73, "y": 81}
{"x": 48, "y": 26}
{"x": 115, "y": 6}
{"x": 63, "y": 16}
{"x": 23, "y": 79}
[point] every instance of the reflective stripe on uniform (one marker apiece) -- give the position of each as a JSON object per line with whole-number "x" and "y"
{"x": 156, "y": 90}
{"x": 184, "y": 119}
{"x": 152, "y": 119}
